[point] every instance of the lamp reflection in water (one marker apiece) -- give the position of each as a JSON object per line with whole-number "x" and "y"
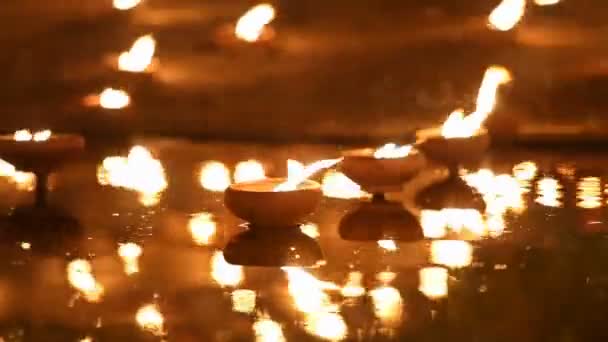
{"x": 139, "y": 171}
{"x": 202, "y": 228}
{"x": 353, "y": 288}
{"x": 150, "y": 319}
{"x": 335, "y": 184}
{"x": 139, "y": 57}
{"x": 252, "y": 24}
{"x": 124, "y": 5}
{"x": 388, "y": 305}
{"x": 25, "y": 181}
{"x": 81, "y": 278}
{"x": 214, "y": 176}
{"x": 243, "y": 301}
{"x": 109, "y": 98}
{"x": 433, "y": 282}
{"x": 249, "y": 170}
{"x": 507, "y": 14}
{"x": 549, "y": 192}
{"x": 589, "y": 193}
{"x": 546, "y": 2}
{"x": 224, "y": 273}
{"x": 326, "y": 325}
{"x": 130, "y": 253}
{"x": 267, "y": 330}
{"x": 451, "y": 253}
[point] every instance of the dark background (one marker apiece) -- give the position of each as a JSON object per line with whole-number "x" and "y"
{"x": 337, "y": 71}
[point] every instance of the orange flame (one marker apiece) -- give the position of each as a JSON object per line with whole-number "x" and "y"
{"x": 335, "y": 184}
{"x": 294, "y": 180}
{"x": 451, "y": 253}
{"x": 202, "y": 228}
{"x": 139, "y": 57}
{"x": 214, "y": 176}
{"x": 113, "y": 99}
{"x": 26, "y": 135}
{"x": 224, "y": 273}
{"x": 433, "y": 282}
{"x": 267, "y": 330}
{"x": 249, "y": 170}
{"x": 546, "y": 2}
{"x": 392, "y": 151}
{"x": 151, "y": 319}
{"x": 81, "y": 278}
{"x": 130, "y": 253}
{"x": 251, "y": 25}
{"x": 124, "y": 5}
{"x": 507, "y": 14}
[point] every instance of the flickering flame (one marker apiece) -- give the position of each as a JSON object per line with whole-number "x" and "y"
{"x": 546, "y": 2}
{"x": 114, "y": 99}
{"x": 353, "y": 286}
{"x": 267, "y": 330}
{"x": 124, "y": 5}
{"x": 525, "y": 171}
{"x": 139, "y": 57}
{"x": 202, "y": 228}
{"x": 507, "y": 14}
{"x": 26, "y": 246}
{"x": 460, "y": 126}
{"x": 293, "y": 181}
{"x": 435, "y": 224}
{"x": 392, "y": 151}
{"x": 388, "y": 305}
{"x": 80, "y": 276}
{"x": 589, "y": 193}
{"x": 130, "y": 253}
{"x": 26, "y": 135}
{"x": 150, "y": 319}
{"x": 549, "y": 192}
{"x": 250, "y": 170}
{"x": 311, "y": 230}
{"x": 433, "y": 282}
{"x": 388, "y": 245}
{"x": 335, "y": 184}
{"x": 214, "y": 176}
{"x": 294, "y": 168}
{"x": 139, "y": 171}
{"x": 308, "y": 292}
{"x": 251, "y": 25}
{"x": 243, "y": 301}
{"x": 43, "y": 135}
{"x": 451, "y": 253}
{"x": 224, "y": 273}
{"x": 326, "y": 325}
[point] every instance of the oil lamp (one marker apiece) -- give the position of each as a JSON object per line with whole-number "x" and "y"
{"x": 379, "y": 171}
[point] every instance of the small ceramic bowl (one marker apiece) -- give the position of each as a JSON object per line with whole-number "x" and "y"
{"x": 380, "y": 175}
{"x": 257, "y": 203}
{"x": 38, "y": 155}
{"x": 452, "y": 150}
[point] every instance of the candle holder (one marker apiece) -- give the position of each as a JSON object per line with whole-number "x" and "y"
{"x": 257, "y": 203}
{"x": 453, "y": 192}
{"x": 41, "y": 157}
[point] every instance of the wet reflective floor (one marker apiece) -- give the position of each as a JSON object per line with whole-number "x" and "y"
{"x": 146, "y": 261}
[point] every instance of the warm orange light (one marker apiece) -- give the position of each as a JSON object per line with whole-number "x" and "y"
{"x": 507, "y": 14}
{"x": 525, "y": 171}
{"x": 392, "y": 151}
{"x": 451, "y": 253}
{"x": 139, "y": 57}
{"x": 43, "y": 135}
{"x": 202, "y": 228}
{"x": 224, "y": 273}
{"x": 251, "y": 25}
{"x": 267, "y": 330}
{"x": 25, "y": 181}
{"x": 546, "y": 2}
{"x": 435, "y": 224}
{"x": 549, "y": 192}
{"x": 310, "y": 229}
{"x": 308, "y": 292}
{"x": 294, "y": 180}
{"x": 388, "y": 245}
{"x": 124, "y": 5}
{"x": 214, "y": 176}
{"x": 326, "y": 325}
{"x": 249, "y": 170}
{"x": 335, "y": 184}
{"x": 114, "y": 99}
{"x": 26, "y": 135}
{"x": 433, "y": 282}
{"x": 589, "y": 193}
{"x": 460, "y": 126}
{"x": 150, "y": 319}
{"x": 353, "y": 286}
{"x": 80, "y": 276}
{"x": 388, "y": 305}
{"x": 243, "y": 301}
{"x": 500, "y": 192}
{"x": 130, "y": 253}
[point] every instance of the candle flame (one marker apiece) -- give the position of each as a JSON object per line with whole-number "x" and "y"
{"x": 392, "y": 151}
{"x": 80, "y": 276}
{"x": 111, "y": 98}
{"x": 130, "y": 253}
{"x": 294, "y": 180}
{"x": 150, "y": 319}
{"x": 202, "y": 228}
{"x": 460, "y": 126}
{"x": 451, "y": 253}
{"x": 507, "y": 14}
{"x": 124, "y": 5}
{"x": 224, "y": 273}
{"x": 433, "y": 282}
{"x": 251, "y": 25}
{"x": 250, "y": 170}
{"x": 214, "y": 176}
{"x": 139, "y": 57}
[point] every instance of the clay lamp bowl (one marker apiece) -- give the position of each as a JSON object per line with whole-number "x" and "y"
{"x": 380, "y": 220}
{"x": 258, "y": 203}
{"x": 380, "y": 175}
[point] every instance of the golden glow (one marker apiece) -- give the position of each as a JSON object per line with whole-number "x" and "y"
{"x": 460, "y": 126}
{"x": 111, "y": 98}
{"x": 139, "y": 171}
{"x": 433, "y": 282}
{"x": 435, "y": 224}
{"x": 251, "y": 25}
{"x": 80, "y": 276}
{"x": 310, "y": 229}
{"x": 25, "y": 181}
{"x": 202, "y": 228}
{"x": 385, "y": 277}
{"x": 214, "y": 176}
{"x": 353, "y": 286}
{"x": 26, "y": 246}
{"x": 589, "y": 193}
{"x": 308, "y": 292}
{"x": 388, "y": 245}
{"x": 26, "y": 135}
{"x": 500, "y": 192}
{"x": 546, "y": 2}
{"x": 507, "y": 14}
{"x": 388, "y": 305}
{"x": 267, "y": 330}
{"x": 335, "y": 184}
{"x": 43, "y": 135}
{"x": 243, "y": 301}
{"x": 451, "y": 253}
{"x": 392, "y": 151}
{"x": 294, "y": 168}
{"x": 295, "y": 178}
{"x": 124, "y": 5}
{"x": 224, "y": 273}
{"x": 150, "y": 319}
{"x": 549, "y": 192}
{"x": 130, "y": 253}
{"x": 525, "y": 171}
{"x": 326, "y": 325}
{"x": 249, "y": 170}
{"x": 139, "y": 57}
